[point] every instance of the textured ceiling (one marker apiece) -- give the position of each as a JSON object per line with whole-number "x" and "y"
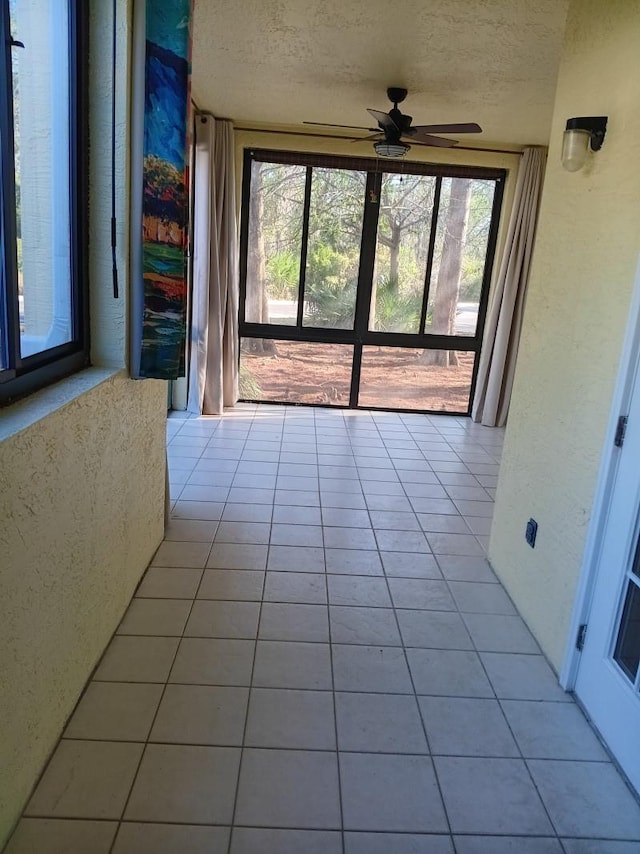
{"x": 282, "y": 62}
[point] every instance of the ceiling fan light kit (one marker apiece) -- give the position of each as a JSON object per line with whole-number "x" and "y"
{"x": 391, "y": 149}
{"x": 394, "y": 125}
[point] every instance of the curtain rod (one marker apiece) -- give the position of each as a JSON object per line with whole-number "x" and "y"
{"x": 250, "y": 129}
{"x": 352, "y": 139}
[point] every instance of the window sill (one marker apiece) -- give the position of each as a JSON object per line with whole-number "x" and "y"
{"x": 27, "y": 412}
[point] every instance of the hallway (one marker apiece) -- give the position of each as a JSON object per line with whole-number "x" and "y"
{"x": 320, "y": 661}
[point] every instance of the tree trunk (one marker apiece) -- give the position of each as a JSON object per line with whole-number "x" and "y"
{"x": 394, "y": 255}
{"x": 393, "y": 244}
{"x": 445, "y": 300}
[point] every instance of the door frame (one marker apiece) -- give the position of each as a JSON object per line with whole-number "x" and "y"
{"x": 628, "y": 374}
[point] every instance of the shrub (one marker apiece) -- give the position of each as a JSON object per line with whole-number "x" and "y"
{"x": 395, "y": 310}
{"x": 248, "y": 386}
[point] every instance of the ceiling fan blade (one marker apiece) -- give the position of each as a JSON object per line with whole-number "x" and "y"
{"x": 437, "y": 141}
{"x": 376, "y": 135}
{"x": 327, "y": 125}
{"x": 384, "y": 120}
{"x": 463, "y": 127}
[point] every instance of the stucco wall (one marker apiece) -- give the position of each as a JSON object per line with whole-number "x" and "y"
{"x": 81, "y": 508}
{"x": 579, "y": 294}
{"x": 82, "y": 477}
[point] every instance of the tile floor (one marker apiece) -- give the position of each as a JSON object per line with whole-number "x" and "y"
{"x": 319, "y": 660}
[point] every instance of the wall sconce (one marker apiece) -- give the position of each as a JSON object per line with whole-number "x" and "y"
{"x": 580, "y": 134}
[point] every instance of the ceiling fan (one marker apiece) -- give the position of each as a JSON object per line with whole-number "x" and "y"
{"x": 394, "y": 126}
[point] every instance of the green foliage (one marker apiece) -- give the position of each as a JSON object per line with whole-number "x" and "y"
{"x": 477, "y": 236}
{"x": 396, "y": 310}
{"x": 282, "y": 272}
{"x": 334, "y": 237}
{"x": 330, "y": 293}
{"x": 471, "y": 278}
{"x": 165, "y": 194}
{"x": 332, "y": 305}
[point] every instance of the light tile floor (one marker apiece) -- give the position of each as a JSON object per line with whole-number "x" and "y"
{"x": 320, "y": 660}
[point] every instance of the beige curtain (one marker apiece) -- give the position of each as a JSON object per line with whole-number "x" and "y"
{"x": 504, "y": 318}
{"x": 213, "y": 368}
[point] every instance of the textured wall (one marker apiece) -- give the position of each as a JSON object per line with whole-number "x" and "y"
{"x": 108, "y": 315}
{"x": 580, "y": 289}
{"x": 82, "y": 477}
{"x": 81, "y": 508}
{"x": 282, "y": 61}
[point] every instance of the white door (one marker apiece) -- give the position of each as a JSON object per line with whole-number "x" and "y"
{"x": 608, "y": 680}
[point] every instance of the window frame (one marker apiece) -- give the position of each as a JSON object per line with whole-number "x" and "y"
{"x": 23, "y": 376}
{"x": 360, "y": 335}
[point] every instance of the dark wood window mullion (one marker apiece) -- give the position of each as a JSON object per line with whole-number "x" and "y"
{"x": 9, "y": 307}
{"x": 79, "y": 186}
{"x": 365, "y": 276}
{"x": 303, "y": 247}
{"x": 356, "y": 366}
{"x": 244, "y": 237}
{"x": 435, "y": 212}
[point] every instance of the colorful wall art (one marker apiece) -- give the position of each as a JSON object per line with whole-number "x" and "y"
{"x": 165, "y": 204}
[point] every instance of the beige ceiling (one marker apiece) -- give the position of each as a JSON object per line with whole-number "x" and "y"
{"x": 283, "y": 62}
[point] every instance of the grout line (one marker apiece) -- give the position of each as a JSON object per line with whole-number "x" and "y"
{"x": 279, "y": 749}
{"x": 326, "y": 435}
{"x": 250, "y": 687}
{"x": 162, "y": 695}
{"x": 146, "y": 741}
{"x": 417, "y": 707}
{"x": 324, "y": 690}
{"x": 335, "y": 710}
{"x": 333, "y": 690}
{"x": 415, "y": 696}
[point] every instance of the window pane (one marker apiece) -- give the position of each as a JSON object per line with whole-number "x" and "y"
{"x": 42, "y": 164}
{"x": 627, "y": 652}
{"x": 333, "y": 247}
{"x": 462, "y": 235}
{"x": 274, "y": 243}
{"x": 295, "y": 371}
{"x": 4, "y": 362}
{"x": 401, "y": 378}
{"x": 404, "y": 226}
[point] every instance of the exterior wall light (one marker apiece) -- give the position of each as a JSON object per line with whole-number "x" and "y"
{"x": 580, "y": 134}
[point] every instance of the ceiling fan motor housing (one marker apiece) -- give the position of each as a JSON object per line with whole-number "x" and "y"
{"x": 394, "y": 125}
{"x": 396, "y": 95}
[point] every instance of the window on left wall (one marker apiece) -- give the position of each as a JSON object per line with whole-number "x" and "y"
{"x": 44, "y": 329}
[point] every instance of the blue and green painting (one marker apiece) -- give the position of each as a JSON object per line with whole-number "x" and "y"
{"x": 165, "y": 183}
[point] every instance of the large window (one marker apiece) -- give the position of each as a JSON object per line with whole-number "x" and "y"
{"x": 364, "y": 283}
{"x": 43, "y": 310}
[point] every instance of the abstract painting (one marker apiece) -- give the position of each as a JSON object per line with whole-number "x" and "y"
{"x": 165, "y": 211}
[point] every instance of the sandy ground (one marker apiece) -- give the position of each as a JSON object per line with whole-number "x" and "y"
{"x": 303, "y": 372}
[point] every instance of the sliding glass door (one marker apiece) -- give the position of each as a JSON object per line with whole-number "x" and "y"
{"x": 362, "y": 285}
